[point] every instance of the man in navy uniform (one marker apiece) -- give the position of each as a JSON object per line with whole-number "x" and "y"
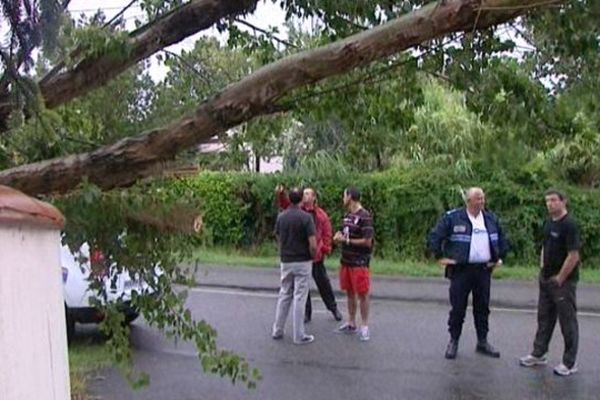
{"x": 468, "y": 242}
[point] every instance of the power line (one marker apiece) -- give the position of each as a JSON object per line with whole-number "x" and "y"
{"x": 100, "y": 9}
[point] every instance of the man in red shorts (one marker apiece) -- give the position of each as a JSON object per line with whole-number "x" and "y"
{"x": 356, "y": 238}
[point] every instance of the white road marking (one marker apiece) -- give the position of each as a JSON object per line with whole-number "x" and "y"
{"x": 236, "y": 292}
{"x": 242, "y": 292}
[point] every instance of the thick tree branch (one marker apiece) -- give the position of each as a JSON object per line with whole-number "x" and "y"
{"x": 257, "y": 94}
{"x": 94, "y": 72}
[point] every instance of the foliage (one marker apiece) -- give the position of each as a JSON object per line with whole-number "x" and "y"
{"x": 83, "y": 125}
{"x": 30, "y": 24}
{"x": 569, "y": 52}
{"x": 366, "y": 124}
{"x": 121, "y": 225}
{"x": 407, "y": 202}
{"x": 578, "y": 159}
{"x": 221, "y": 215}
{"x": 95, "y": 40}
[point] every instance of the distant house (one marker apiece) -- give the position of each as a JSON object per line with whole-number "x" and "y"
{"x": 265, "y": 165}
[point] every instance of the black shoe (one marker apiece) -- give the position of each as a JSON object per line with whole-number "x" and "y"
{"x": 487, "y": 349}
{"x": 337, "y": 315}
{"x": 452, "y": 349}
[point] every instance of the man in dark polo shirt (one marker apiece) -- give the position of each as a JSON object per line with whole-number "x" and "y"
{"x": 559, "y": 274}
{"x": 356, "y": 238}
{"x": 295, "y": 231}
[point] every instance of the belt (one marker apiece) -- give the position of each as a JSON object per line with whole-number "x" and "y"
{"x": 474, "y": 265}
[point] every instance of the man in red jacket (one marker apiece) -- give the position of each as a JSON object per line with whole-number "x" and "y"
{"x": 324, "y": 247}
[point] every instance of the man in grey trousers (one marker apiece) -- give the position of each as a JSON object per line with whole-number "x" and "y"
{"x": 296, "y": 235}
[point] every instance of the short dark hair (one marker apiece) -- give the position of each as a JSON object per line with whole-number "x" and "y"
{"x": 295, "y": 196}
{"x": 553, "y": 191}
{"x": 353, "y": 192}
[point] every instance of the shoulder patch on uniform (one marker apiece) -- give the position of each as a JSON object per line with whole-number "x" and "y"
{"x": 452, "y": 211}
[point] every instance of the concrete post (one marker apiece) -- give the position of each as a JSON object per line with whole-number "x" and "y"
{"x": 33, "y": 341}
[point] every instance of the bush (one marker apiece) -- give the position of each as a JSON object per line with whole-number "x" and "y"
{"x": 240, "y": 209}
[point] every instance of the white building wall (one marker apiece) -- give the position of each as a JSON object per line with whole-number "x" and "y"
{"x": 33, "y": 340}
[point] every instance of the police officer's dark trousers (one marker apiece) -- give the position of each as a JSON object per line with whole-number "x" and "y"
{"x": 465, "y": 279}
{"x": 557, "y": 302}
{"x": 321, "y": 278}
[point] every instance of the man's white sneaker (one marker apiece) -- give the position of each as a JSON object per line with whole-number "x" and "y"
{"x": 346, "y": 328}
{"x": 363, "y": 335}
{"x": 532, "y": 361}
{"x": 562, "y": 370}
{"x": 306, "y": 339}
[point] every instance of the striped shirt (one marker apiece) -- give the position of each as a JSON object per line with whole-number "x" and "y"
{"x": 358, "y": 225}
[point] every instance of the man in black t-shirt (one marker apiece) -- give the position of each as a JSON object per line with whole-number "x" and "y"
{"x": 559, "y": 261}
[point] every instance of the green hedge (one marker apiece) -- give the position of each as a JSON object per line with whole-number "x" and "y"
{"x": 239, "y": 209}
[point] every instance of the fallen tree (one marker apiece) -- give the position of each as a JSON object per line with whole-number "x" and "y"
{"x": 123, "y": 163}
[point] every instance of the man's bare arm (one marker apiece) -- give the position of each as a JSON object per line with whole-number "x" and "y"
{"x": 568, "y": 266}
{"x": 364, "y": 242}
{"x": 542, "y": 258}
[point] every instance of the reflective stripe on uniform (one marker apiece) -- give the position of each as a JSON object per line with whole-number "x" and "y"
{"x": 460, "y": 238}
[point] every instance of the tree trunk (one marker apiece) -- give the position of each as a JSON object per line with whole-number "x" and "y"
{"x": 122, "y": 163}
{"x": 95, "y": 71}
{"x": 256, "y": 162}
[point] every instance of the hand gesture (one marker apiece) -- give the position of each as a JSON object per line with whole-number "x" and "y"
{"x": 338, "y": 237}
{"x": 444, "y": 262}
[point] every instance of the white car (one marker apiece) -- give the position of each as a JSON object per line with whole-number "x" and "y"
{"x": 77, "y": 272}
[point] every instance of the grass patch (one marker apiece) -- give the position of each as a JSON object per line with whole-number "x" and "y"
{"x": 248, "y": 258}
{"x": 234, "y": 257}
{"x": 85, "y": 357}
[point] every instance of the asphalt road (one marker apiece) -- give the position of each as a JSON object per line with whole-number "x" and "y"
{"x": 403, "y": 360}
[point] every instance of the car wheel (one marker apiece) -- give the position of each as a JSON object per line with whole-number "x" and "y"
{"x": 70, "y": 325}
{"x": 131, "y": 316}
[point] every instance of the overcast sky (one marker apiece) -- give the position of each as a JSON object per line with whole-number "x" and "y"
{"x": 267, "y": 14}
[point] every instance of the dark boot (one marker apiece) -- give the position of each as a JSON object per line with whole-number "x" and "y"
{"x": 452, "y": 349}
{"x": 487, "y": 349}
{"x": 337, "y": 314}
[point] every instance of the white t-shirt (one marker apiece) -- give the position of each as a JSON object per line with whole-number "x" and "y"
{"x": 480, "y": 241}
